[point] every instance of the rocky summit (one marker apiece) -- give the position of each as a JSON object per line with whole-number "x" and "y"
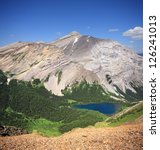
{"x": 71, "y": 59}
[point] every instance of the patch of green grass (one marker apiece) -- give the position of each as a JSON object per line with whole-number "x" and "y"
{"x": 70, "y": 101}
{"x": 45, "y": 127}
{"x": 101, "y": 124}
{"x": 126, "y": 119}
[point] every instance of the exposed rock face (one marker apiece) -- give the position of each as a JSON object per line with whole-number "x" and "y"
{"x": 78, "y": 57}
{"x": 10, "y": 131}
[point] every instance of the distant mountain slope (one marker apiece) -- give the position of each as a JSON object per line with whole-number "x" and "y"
{"x": 72, "y": 58}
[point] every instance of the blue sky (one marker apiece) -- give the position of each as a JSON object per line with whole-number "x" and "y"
{"x": 47, "y": 20}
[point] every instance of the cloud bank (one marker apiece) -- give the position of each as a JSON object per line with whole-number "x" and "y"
{"x": 135, "y": 33}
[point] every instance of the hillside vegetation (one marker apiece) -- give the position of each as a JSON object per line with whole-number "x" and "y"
{"x": 127, "y": 115}
{"x": 30, "y": 106}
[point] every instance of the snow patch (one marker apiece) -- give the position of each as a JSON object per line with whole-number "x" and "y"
{"x": 76, "y": 39}
{"x": 65, "y": 47}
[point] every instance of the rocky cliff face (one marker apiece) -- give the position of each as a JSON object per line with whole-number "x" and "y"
{"x": 72, "y": 58}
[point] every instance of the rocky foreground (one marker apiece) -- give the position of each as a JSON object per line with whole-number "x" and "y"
{"x": 126, "y": 137}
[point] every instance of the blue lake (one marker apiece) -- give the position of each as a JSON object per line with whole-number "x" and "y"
{"x": 105, "y": 108}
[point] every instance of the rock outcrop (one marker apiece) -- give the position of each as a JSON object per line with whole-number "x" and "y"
{"x": 10, "y": 131}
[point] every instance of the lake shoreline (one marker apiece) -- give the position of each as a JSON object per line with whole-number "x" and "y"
{"x": 106, "y": 108}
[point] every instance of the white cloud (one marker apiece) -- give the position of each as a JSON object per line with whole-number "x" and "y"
{"x": 131, "y": 41}
{"x": 113, "y": 30}
{"x": 136, "y": 33}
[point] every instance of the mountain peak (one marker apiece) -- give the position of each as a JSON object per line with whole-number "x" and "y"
{"x": 71, "y": 34}
{"x": 74, "y": 33}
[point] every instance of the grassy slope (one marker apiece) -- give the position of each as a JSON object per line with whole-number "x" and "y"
{"x": 128, "y": 114}
{"x": 45, "y": 127}
{"x": 42, "y": 126}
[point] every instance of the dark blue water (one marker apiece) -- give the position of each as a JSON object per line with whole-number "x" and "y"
{"x": 105, "y": 108}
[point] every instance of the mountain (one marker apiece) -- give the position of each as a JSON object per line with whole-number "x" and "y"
{"x": 74, "y": 58}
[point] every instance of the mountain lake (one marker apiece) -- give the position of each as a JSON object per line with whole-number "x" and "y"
{"x": 105, "y": 108}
